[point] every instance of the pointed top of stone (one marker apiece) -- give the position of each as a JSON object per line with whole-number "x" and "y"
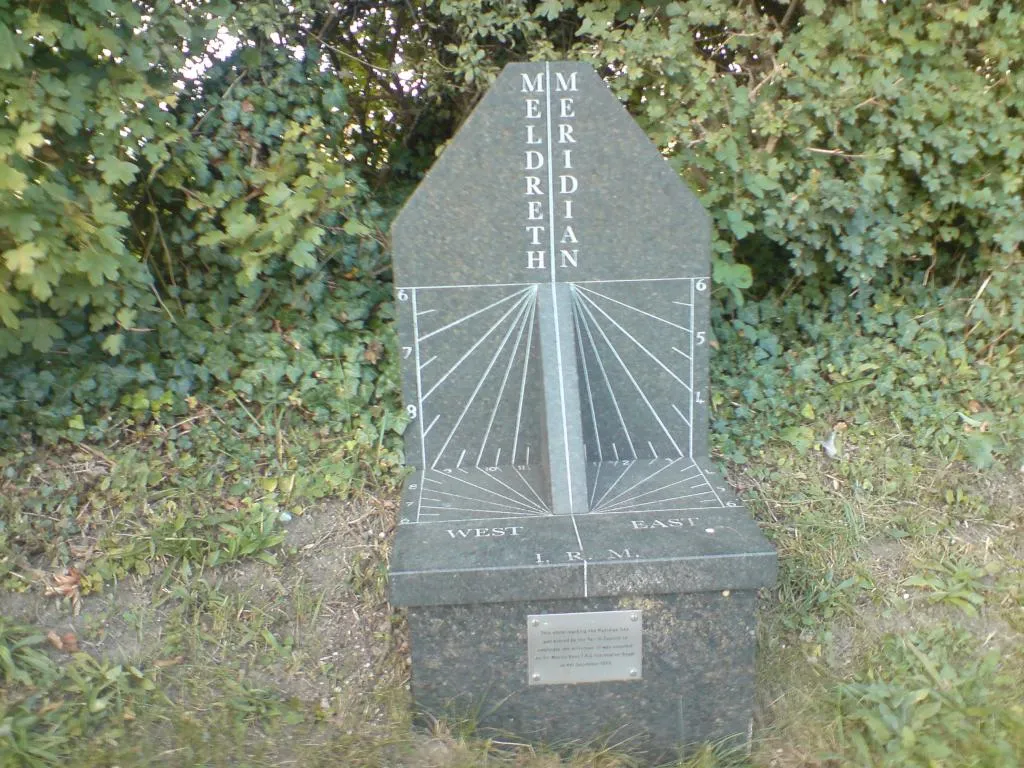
{"x": 549, "y": 179}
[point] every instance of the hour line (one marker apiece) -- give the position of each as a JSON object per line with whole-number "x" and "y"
{"x": 492, "y": 305}
{"x": 501, "y": 390}
{"x": 491, "y": 491}
{"x": 612, "y": 486}
{"x": 541, "y": 508}
{"x": 532, "y": 490}
{"x": 469, "y": 403}
{"x": 629, "y": 336}
{"x": 712, "y": 487}
{"x": 629, "y": 504}
{"x": 472, "y": 349}
{"x": 686, "y": 421}
{"x": 495, "y": 478}
{"x": 510, "y": 503}
{"x": 593, "y": 491}
{"x": 620, "y": 499}
{"x": 636, "y": 309}
{"x": 522, "y": 386}
{"x": 640, "y": 482}
{"x": 586, "y": 382}
{"x": 480, "y": 511}
{"x": 604, "y": 375}
{"x": 639, "y": 390}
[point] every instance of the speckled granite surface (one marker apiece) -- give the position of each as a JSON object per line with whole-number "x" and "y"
{"x": 470, "y": 661}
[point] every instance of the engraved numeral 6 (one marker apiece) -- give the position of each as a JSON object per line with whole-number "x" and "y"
{"x": 411, "y": 410}
{"x": 701, "y": 285}
{"x": 403, "y": 295}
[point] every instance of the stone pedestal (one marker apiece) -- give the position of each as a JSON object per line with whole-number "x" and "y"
{"x": 691, "y": 575}
{"x": 470, "y": 664}
{"x": 573, "y": 567}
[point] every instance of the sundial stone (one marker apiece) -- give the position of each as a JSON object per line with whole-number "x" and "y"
{"x": 552, "y": 282}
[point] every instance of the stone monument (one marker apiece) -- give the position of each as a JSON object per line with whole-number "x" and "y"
{"x": 573, "y": 566}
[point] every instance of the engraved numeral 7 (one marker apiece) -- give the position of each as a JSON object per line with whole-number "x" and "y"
{"x": 406, "y": 351}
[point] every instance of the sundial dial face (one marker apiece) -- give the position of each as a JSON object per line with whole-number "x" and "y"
{"x": 552, "y": 281}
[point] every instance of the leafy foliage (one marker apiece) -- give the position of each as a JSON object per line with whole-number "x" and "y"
{"x": 924, "y": 701}
{"x": 45, "y": 704}
{"x": 195, "y": 302}
{"x": 827, "y": 358}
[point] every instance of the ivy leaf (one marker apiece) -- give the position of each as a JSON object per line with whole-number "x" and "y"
{"x": 22, "y": 260}
{"x": 276, "y": 194}
{"x": 9, "y": 306}
{"x": 40, "y": 332}
{"x": 9, "y": 56}
{"x": 113, "y": 343}
{"x": 740, "y": 227}
{"x": 550, "y": 9}
{"x": 355, "y": 227}
{"x": 736, "y": 276}
{"x": 100, "y": 266}
{"x": 10, "y": 178}
{"x": 28, "y": 138}
{"x": 801, "y": 438}
{"x": 117, "y": 171}
{"x": 239, "y": 224}
{"x": 22, "y": 225}
{"x": 301, "y": 255}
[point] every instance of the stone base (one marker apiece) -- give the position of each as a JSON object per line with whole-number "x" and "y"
{"x": 469, "y": 662}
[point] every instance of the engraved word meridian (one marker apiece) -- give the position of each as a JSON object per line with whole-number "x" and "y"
{"x": 554, "y": 227}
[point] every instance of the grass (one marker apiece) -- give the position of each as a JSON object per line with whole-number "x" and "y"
{"x": 226, "y": 605}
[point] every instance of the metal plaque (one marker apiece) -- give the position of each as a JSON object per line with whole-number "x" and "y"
{"x": 585, "y": 647}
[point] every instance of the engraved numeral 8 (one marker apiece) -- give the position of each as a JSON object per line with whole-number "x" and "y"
{"x": 411, "y": 410}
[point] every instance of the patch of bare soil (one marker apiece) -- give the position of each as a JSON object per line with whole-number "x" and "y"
{"x": 331, "y": 636}
{"x": 327, "y": 599}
